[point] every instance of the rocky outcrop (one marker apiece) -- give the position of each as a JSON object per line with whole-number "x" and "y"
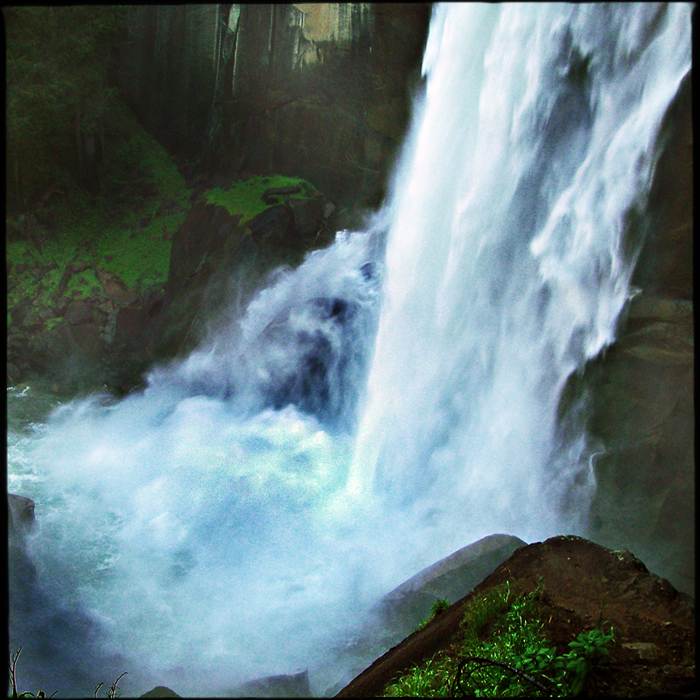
{"x": 217, "y": 264}
{"x": 654, "y": 624}
{"x": 409, "y": 605}
{"x": 160, "y": 691}
{"x": 315, "y": 91}
{"x": 641, "y": 390}
{"x": 92, "y": 330}
{"x": 22, "y": 571}
{"x": 20, "y": 517}
{"x": 294, "y": 685}
{"x": 449, "y": 579}
{"x": 92, "y": 327}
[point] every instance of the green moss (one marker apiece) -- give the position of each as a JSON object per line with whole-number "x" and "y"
{"x": 245, "y": 197}
{"x": 139, "y": 258}
{"x": 119, "y": 231}
{"x": 81, "y": 284}
{"x": 136, "y": 162}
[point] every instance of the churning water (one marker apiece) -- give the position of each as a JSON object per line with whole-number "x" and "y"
{"x": 392, "y": 399}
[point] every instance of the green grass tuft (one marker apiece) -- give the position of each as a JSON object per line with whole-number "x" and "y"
{"x": 508, "y": 630}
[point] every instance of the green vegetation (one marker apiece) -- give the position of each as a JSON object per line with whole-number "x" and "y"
{"x": 112, "y": 196}
{"x": 505, "y": 652}
{"x": 438, "y": 607}
{"x": 125, "y": 230}
{"x": 246, "y": 197}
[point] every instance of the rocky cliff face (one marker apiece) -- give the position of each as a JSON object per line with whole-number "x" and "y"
{"x": 317, "y": 91}
{"x": 642, "y": 389}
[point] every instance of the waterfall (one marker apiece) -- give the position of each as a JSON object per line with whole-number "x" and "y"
{"x": 506, "y": 265}
{"x": 393, "y": 398}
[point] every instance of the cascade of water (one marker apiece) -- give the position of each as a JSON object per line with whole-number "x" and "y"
{"x": 188, "y": 532}
{"x": 506, "y": 266}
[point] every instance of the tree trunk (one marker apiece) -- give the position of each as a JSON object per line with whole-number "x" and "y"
{"x": 79, "y": 146}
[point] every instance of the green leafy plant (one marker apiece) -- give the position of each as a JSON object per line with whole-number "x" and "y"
{"x": 438, "y": 607}
{"x": 573, "y": 667}
{"x": 423, "y": 681}
{"x": 505, "y": 652}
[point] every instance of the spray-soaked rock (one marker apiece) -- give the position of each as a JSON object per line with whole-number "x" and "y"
{"x": 20, "y": 512}
{"x": 20, "y": 522}
{"x": 449, "y": 579}
{"x": 273, "y": 226}
{"x": 68, "y": 634}
{"x": 294, "y": 685}
{"x": 306, "y": 356}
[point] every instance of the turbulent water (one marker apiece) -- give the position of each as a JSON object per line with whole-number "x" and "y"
{"x": 392, "y": 399}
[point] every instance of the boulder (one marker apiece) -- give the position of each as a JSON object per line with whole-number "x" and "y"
{"x": 160, "y": 691}
{"x": 402, "y": 610}
{"x": 273, "y": 227}
{"x": 20, "y": 515}
{"x": 22, "y": 571}
{"x": 294, "y": 685}
{"x": 449, "y": 579}
{"x": 584, "y": 583}
{"x": 270, "y": 194}
{"x": 308, "y": 216}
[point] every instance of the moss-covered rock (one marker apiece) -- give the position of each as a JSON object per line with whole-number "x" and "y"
{"x": 75, "y": 263}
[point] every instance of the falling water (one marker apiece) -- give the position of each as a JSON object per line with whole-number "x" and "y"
{"x": 506, "y": 268}
{"x": 369, "y": 413}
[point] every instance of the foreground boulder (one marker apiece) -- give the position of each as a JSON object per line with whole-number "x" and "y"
{"x": 20, "y": 522}
{"x": 654, "y": 624}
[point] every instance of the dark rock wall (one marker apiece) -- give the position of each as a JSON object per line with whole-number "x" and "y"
{"x": 642, "y": 390}
{"x": 168, "y": 70}
{"x": 318, "y": 91}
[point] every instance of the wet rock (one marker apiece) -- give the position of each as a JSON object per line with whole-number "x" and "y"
{"x": 584, "y": 583}
{"x": 641, "y": 391}
{"x": 273, "y": 227}
{"x": 160, "y": 691}
{"x": 20, "y": 522}
{"x": 272, "y": 192}
{"x": 78, "y": 312}
{"x": 283, "y": 686}
{"x": 402, "y": 610}
{"x": 449, "y": 579}
{"x": 308, "y": 215}
{"x": 328, "y": 209}
{"x": 20, "y": 516}
{"x": 115, "y": 289}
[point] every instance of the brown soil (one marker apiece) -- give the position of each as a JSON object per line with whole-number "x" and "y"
{"x": 654, "y": 625}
